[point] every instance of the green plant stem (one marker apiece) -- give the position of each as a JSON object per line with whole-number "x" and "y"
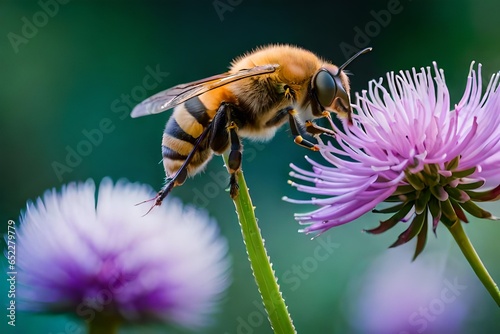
{"x": 477, "y": 265}
{"x": 261, "y": 266}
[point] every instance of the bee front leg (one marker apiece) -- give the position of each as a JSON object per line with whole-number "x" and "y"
{"x": 316, "y": 130}
{"x": 298, "y": 139}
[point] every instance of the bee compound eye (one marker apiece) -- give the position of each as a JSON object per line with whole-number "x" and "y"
{"x": 325, "y": 87}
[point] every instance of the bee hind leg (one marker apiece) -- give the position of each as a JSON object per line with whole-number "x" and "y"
{"x": 171, "y": 182}
{"x": 180, "y": 176}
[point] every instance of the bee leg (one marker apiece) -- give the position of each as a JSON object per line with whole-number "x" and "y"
{"x": 298, "y": 139}
{"x": 180, "y": 176}
{"x": 234, "y": 160}
{"x": 219, "y": 138}
{"x": 279, "y": 118}
{"x": 316, "y": 130}
{"x": 225, "y": 134}
{"x": 178, "y": 179}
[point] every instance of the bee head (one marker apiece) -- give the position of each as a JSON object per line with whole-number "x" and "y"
{"x": 330, "y": 87}
{"x": 331, "y": 93}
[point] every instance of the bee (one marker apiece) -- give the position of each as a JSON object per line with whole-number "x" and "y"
{"x": 261, "y": 91}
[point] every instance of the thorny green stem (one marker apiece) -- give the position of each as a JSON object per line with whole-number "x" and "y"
{"x": 267, "y": 283}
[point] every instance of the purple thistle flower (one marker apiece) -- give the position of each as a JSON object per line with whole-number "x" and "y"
{"x": 407, "y": 148}
{"x": 92, "y": 258}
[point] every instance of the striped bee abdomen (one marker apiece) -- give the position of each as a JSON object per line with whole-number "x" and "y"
{"x": 198, "y": 110}
{"x": 181, "y": 132}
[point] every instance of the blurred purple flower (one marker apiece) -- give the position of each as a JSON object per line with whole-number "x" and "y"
{"x": 407, "y": 148}
{"x": 88, "y": 257}
{"x": 420, "y": 297}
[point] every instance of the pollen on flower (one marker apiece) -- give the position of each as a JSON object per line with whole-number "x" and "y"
{"x": 407, "y": 147}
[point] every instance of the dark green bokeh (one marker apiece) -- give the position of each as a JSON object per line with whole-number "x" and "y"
{"x": 76, "y": 68}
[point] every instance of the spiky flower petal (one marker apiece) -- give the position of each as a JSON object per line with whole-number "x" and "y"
{"x": 407, "y": 148}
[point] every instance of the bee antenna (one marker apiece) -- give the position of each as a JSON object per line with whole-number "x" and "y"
{"x": 354, "y": 57}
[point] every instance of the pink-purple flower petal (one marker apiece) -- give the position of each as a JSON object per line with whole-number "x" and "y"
{"x": 401, "y": 129}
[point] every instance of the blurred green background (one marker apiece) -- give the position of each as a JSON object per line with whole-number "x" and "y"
{"x": 77, "y": 67}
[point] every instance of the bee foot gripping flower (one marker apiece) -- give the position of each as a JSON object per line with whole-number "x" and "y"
{"x": 408, "y": 149}
{"x": 81, "y": 256}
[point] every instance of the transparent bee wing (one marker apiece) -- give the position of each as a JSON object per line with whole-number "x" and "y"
{"x": 171, "y": 97}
